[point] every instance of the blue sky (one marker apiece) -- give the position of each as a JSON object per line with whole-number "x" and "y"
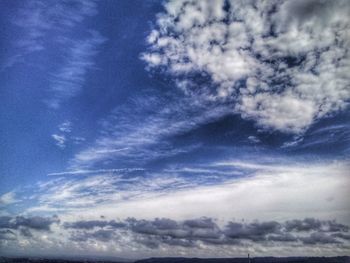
{"x": 198, "y": 128}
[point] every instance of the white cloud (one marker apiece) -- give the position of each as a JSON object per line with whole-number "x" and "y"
{"x": 69, "y": 79}
{"x": 277, "y": 191}
{"x": 60, "y": 140}
{"x": 253, "y": 139}
{"x": 134, "y": 137}
{"x": 65, "y": 127}
{"x": 64, "y": 136}
{"x": 8, "y": 198}
{"x": 293, "y": 55}
{"x": 42, "y": 25}
{"x": 273, "y": 191}
{"x": 293, "y": 192}
{"x": 37, "y": 19}
{"x": 99, "y": 171}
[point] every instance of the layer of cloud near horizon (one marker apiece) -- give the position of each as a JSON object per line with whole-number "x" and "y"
{"x": 184, "y": 128}
{"x": 170, "y": 236}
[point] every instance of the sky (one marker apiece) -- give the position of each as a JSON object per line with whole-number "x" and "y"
{"x": 212, "y": 128}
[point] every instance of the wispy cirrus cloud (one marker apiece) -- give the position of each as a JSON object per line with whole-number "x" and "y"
{"x": 99, "y": 171}
{"x": 191, "y": 191}
{"x": 57, "y": 30}
{"x": 69, "y": 79}
{"x": 38, "y": 19}
{"x": 130, "y": 136}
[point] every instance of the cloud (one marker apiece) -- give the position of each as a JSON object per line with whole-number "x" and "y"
{"x": 98, "y": 171}
{"x": 319, "y": 238}
{"x": 166, "y": 236}
{"x": 69, "y": 79}
{"x": 282, "y": 64}
{"x": 65, "y": 127}
{"x": 130, "y": 137}
{"x": 8, "y": 198}
{"x": 60, "y": 140}
{"x": 64, "y": 136}
{"x": 254, "y": 231}
{"x": 36, "y": 19}
{"x": 7, "y": 234}
{"x": 58, "y": 31}
{"x": 95, "y": 188}
{"x": 254, "y": 139}
{"x": 193, "y": 232}
{"x": 35, "y": 222}
{"x": 184, "y": 192}
{"x": 94, "y": 223}
{"x": 334, "y": 136}
{"x": 342, "y": 236}
{"x": 98, "y": 235}
{"x": 309, "y": 224}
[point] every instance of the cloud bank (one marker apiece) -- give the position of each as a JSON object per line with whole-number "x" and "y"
{"x": 164, "y": 234}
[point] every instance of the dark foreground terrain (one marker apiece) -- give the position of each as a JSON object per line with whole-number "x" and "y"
{"x": 344, "y": 259}
{"x": 245, "y": 260}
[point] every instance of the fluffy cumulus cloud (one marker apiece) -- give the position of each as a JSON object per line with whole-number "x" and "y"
{"x": 282, "y": 64}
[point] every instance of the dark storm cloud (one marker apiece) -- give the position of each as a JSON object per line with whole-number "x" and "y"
{"x": 35, "y": 222}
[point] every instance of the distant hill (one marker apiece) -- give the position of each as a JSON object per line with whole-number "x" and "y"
{"x": 252, "y": 260}
{"x": 344, "y": 259}
{"x": 61, "y": 260}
